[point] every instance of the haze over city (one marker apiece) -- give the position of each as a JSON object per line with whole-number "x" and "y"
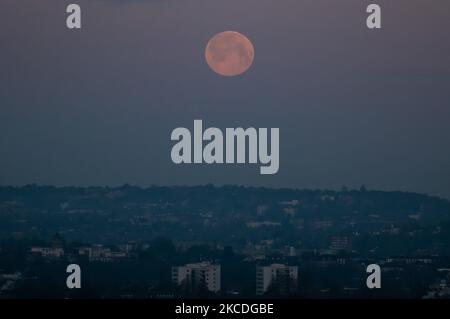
{"x": 96, "y": 106}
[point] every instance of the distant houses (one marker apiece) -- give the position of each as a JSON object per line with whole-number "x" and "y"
{"x": 94, "y": 253}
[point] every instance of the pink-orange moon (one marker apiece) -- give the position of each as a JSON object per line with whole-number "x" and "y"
{"x": 229, "y": 53}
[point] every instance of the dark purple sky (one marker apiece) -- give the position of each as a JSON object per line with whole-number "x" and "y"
{"x": 97, "y": 106}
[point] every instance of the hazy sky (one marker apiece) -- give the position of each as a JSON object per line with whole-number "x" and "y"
{"x": 96, "y": 106}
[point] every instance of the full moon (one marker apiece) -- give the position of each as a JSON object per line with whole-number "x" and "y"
{"x": 229, "y": 53}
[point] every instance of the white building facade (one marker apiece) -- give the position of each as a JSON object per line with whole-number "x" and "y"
{"x": 194, "y": 274}
{"x": 275, "y": 274}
